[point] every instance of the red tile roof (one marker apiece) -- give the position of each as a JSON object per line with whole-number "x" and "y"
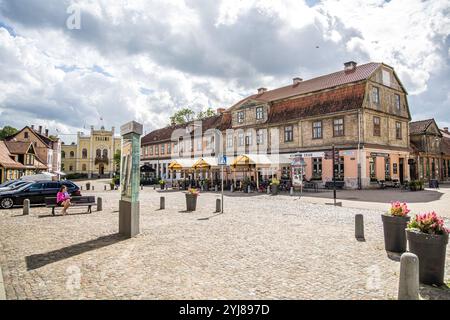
{"x": 5, "y": 158}
{"x": 18, "y": 147}
{"x": 418, "y": 127}
{"x": 331, "y": 80}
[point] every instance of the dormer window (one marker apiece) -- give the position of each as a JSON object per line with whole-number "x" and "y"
{"x": 240, "y": 117}
{"x": 259, "y": 113}
{"x": 397, "y": 102}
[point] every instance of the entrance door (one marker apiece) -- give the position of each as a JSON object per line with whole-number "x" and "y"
{"x": 401, "y": 168}
{"x": 101, "y": 169}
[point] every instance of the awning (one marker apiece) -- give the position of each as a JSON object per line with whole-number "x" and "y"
{"x": 201, "y": 164}
{"x": 182, "y": 164}
{"x": 60, "y": 173}
{"x": 260, "y": 160}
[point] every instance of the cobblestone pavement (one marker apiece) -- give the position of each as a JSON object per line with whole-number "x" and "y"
{"x": 263, "y": 247}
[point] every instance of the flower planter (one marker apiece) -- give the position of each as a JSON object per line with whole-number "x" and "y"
{"x": 162, "y": 185}
{"x": 431, "y": 252}
{"x": 274, "y": 189}
{"x": 191, "y": 202}
{"x": 394, "y": 232}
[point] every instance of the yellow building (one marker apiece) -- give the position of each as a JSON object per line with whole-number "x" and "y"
{"x": 92, "y": 155}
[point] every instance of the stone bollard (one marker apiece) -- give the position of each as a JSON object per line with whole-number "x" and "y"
{"x": 232, "y": 188}
{"x": 142, "y": 187}
{"x": 154, "y": 187}
{"x": 26, "y": 207}
{"x": 408, "y": 288}
{"x": 218, "y": 205}
{"x": 216, "y": 188}
{"x": 162, "y": 203}
{"x": 92, "y": 188}
{"x": 292, "y": 191}
{"x": 249, "y": 189}
{"x": 99, "y": 204}
{"x": 268, "y": 189}
{"x": 81, "y": 188}
{"x": 359, "y": 227}
{"x": 105, "y": 187}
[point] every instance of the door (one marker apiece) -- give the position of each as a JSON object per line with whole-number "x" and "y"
{"x": 101, "y": 169}
{"x": 401, "y": 169}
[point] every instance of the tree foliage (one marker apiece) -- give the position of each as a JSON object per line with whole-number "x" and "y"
{"x": 7, "y": 131}
{"x": 186, "y": 115}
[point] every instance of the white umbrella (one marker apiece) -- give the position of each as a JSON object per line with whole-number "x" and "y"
{"x": 47, "y": 176}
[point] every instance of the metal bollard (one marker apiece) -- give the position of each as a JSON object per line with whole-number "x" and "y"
{"x": 359, "y": 227}
{"x": 408, "y": 288}
{"x": 162, "y": 203}
{"x": 26, "y": 207}
{"x": 99, "y": 204}
{"x": 218, "y": 205}
{"x": 292, "y": 191}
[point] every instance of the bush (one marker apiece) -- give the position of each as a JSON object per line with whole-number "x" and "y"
{"x": 74, "y": 176}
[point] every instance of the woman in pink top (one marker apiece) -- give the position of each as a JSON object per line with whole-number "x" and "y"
{"x": 63, "y": 199}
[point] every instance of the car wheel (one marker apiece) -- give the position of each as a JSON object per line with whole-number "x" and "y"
{"x": 6, "y": 203}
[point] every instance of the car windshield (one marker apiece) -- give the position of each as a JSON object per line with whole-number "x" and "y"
{"x": 7, "y": 183}
{"x": 24, "y": 186}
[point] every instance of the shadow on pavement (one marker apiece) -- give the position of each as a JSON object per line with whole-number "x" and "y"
{"x": 435, "y": 293}
{"x": 37, "y": 261}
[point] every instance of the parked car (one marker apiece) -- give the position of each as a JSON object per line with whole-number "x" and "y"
{"x": 36, "y": 192}
{"x": 14, "y": 185}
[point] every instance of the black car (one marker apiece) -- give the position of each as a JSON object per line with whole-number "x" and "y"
{"x": 36, "y": 192}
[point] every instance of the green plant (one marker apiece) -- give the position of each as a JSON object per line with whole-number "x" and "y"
{"x": 162, "y": 182}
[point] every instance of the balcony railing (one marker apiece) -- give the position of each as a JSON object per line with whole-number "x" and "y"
{"x": 103, "y": 160}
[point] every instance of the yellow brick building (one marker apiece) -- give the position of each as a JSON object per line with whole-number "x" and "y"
{"x": 92, "y": 155}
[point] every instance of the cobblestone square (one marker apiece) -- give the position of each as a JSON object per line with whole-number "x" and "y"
{"x": 262, "y": 247}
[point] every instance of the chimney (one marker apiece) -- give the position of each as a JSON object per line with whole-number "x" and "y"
{"x": 297, "y": 80}
{"x": 446, "y": 129}
{"x": 32, "y": 127}
{"x": 350, "y": 65}
{"x": 220, "y": 110}
{"x": 40, "y": 129}
{"x": 46, "y": 132}
{"x": 262, "y": 90}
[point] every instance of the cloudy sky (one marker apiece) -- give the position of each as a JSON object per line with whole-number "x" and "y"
{"x": 142, "y": 60}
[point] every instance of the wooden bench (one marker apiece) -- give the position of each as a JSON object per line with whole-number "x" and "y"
{"x": 88, "y": 201}
{"x": 339, "y": 185}
{"x": 309, "y": 185}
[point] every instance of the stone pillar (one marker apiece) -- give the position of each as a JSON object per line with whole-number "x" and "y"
{"x": 292, "y": 191}
{"x": 26, "y": 207}
{"x": 218, "y": 205}
{"x": 408, "y": 288}
{"x": 162, "y": 203}
{"x": 359, "y": 227}
{"x": 99, "y": 204}
{"x": 104, "y": 187}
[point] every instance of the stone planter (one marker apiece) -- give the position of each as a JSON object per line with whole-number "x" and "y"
{"x": 191, "y": 202}
{"x": 394, "y": 233}
{"x": 431, "y": 252}
{"x": 162, "y": 186}
{"x": 274, "y": 189}
{"x": 88, "y": 186}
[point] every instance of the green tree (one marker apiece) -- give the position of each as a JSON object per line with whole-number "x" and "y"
{"x": 205, "y": 114}
{"x": 182, "y": 116}
{"x": 117, "y": 157}
{"x": 7, "y": 131}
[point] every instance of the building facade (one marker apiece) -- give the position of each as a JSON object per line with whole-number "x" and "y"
{"x": 47, "y": 149}
{"x": 92, "y": 155}
{"x": 361, "y": 110}
{"x": 430, "y": 151}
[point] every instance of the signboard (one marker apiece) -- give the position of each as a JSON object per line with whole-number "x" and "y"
{"x": 222, "y": 160}
{"x": 379, "y": 154}
{"x": 308, "y": 155}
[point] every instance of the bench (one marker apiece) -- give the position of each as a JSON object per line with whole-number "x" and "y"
{"x": 339, "y": 185}
{"x": 88, "y": 201}
{"x": 311, "y": 185}
{"x": 389, "y": 183}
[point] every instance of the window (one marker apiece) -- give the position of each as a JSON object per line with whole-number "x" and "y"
{"x": 162, "y": 148}
{"x": 376, "y": 95}
{"x": 387, "y": 170}
{"x": 169, "y": 148}
{"x": 259, "y": 113}
{"x": 230, "y": 141}
{"x": 151, "y": 150}
{"x": 25, "y": 134}
{"x": 398, "y": 130}
{"x": 317, "y": 130}
{"x": 376, "y": 126}
{"x": 260, "y": 136}
{"x": 36, "y": 187}
{"x": 338, "y": 127}
{"x": 317, "y": 169}
{"x": 372, "y": 169}
{"x": 199, "y": 143}
{"x": 63, "y": 154}
{"x": 105, "y": 153}
{"x": 70, "y": 168}
{"x": 83, "y": 167}
{"x": 248, "y": 139}
{"x": 98, "y": 153}
{"x": 397, "y": 102}
{"x": 84, "y": 154}
{"x": 72, "y": 154}
{"x": 339, "y": 169}
{"x": 240, "y": 117}
{"x": 288, "y": 134}
{"x": 241, "y": 139}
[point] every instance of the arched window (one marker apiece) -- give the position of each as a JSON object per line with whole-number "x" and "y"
{"x": 105, "y": 153}
{"x": 98, "y": 153}
{"x": 63, "y": 154}
{"x": 84, "y": 167}
{"x": 72, "y": 154}
{"x": 70, "y": 168}
{"x": 84, "y": 153}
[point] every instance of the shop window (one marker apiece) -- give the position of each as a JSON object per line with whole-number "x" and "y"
{"x": 372, "y": 169}
{"x": 387, "y": 166}
{"x": 339, "y": 169}
{"x": 317, "y": 169}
